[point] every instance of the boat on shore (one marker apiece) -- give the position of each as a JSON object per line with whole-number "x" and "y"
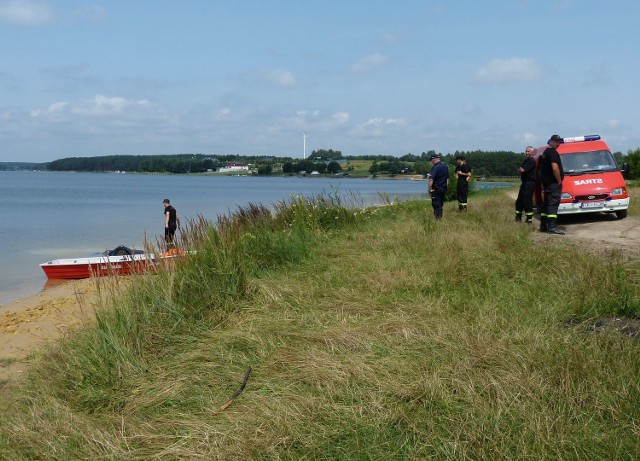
{"x": 119, "y": 261}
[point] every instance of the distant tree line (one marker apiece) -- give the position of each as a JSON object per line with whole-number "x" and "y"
{"x": 326, "y": 154}
{"x": 500, "y": 163}
{"x": 182, "y": 163}
{"x": 324, "y": 161}
{"x": 20, "y": 166}
{"x": 492, "y": 163}
{"x": 308, "y": 166}
{"x": 142, "y": 163}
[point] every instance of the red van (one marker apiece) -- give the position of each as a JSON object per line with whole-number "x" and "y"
{"x": 593, "y": 181}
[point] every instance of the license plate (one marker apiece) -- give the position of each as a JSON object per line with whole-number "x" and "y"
{"x": 592, "y": 205}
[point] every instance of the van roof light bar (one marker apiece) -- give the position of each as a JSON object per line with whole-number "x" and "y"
{"x": 589, "y": 137}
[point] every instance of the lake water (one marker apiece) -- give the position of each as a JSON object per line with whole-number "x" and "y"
{"x": 48, "y": 216}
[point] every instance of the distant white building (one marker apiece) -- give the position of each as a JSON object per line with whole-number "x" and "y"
{"x": 234, "y": 166}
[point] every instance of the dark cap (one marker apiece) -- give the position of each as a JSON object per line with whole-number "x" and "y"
{"x": 166, "y": 201}
{"x": 434, "y": 156}
{"x": 555, "y": 137}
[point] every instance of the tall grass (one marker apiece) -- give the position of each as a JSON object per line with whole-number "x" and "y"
{"x": 372, "y": 334}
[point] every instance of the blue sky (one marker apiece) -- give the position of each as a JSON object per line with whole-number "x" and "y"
{"x": 84, "y": 78}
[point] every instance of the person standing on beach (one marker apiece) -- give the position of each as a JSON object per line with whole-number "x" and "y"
{"x": 463, "y": 173}
{"x": 551, "y": 174}
{"x": 171, "y": 221}
{"x": 438, "y": 183}
{"x": 524, "y": 202}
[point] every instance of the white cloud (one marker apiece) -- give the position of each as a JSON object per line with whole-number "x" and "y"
{"x": 52, "y": 109}
{"x": 99, "y": 106}
{"x": 378, "y": 126}
{"x": 312, "y": 122}
{"x": 509, "y": 70}
{"x": 103, "y": 105}
{"x": 223, "y": 113}
{"x": 614, "y": 123}
{"x": 278, "y": 77}
{"x": 26, "y": 12}
{"x": 368, "y": 63}
{"x": 341, "y": 117}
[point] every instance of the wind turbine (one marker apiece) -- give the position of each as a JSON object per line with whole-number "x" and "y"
{"x": 304, "y": 146}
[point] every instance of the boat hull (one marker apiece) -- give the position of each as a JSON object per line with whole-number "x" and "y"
{"x": 82, "y": 268}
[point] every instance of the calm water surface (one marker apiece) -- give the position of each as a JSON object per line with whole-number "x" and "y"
{"x": 47, "y": 216}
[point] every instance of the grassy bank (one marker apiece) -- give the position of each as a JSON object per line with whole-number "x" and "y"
{"x": 376, "y": 334}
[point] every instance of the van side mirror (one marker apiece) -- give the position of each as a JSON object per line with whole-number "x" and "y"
{"x": 625, "y": 168}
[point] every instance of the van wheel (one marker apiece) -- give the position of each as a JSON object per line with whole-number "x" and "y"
{"x": 621, "y": 214}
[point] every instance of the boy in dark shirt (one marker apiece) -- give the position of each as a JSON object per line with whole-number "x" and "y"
{"x": 171, "y": 221}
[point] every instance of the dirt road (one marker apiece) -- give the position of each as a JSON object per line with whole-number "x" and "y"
{"x": 604, "y": 232}
{"x": 599, "y": 232}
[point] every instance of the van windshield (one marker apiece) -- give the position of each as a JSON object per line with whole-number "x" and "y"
{"x": 588, "y": 162}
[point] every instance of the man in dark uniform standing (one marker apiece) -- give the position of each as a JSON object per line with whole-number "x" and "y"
{"x": 527, "y": 171}
{"x": 551, "y": 175}
{"x": 463, "y": 173}
{"x": 171, "y": 221}
{"x": 438, "y": 183}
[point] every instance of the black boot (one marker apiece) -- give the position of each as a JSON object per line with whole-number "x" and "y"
{"x": 543, "y": 224}
{"x": 551, "y": 227}
{"x": 518, "y": 216}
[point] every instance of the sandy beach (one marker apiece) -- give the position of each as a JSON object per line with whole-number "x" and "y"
{"x": 29, "y": 323}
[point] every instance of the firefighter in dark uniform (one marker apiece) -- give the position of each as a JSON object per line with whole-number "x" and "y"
{"x": 524, "y": 202}
{"x": 438, "y": 183}
{"x": 551, "y": 175}
{"x": 463, "y": 173}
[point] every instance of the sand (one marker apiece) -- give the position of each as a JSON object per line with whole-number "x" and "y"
{"x": 29, "y": 323}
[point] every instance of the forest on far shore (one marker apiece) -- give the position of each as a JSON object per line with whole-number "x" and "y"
{"x": 323, "y": 161}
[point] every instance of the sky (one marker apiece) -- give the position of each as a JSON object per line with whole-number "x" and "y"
{"x": 89, "y": 78}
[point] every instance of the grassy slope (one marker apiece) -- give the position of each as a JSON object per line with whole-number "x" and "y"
{"x": 397, "y": 338}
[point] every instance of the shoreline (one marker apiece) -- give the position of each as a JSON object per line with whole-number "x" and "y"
{"x": 9, "y": 297}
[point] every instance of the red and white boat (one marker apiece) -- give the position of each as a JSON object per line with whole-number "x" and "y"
{"x": 120, "y": 261}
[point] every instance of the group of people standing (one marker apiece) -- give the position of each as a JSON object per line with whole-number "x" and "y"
{"x": 550, "y": 175}
{"x": 550, "y": 180}
{"x": 439, "y": 183}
